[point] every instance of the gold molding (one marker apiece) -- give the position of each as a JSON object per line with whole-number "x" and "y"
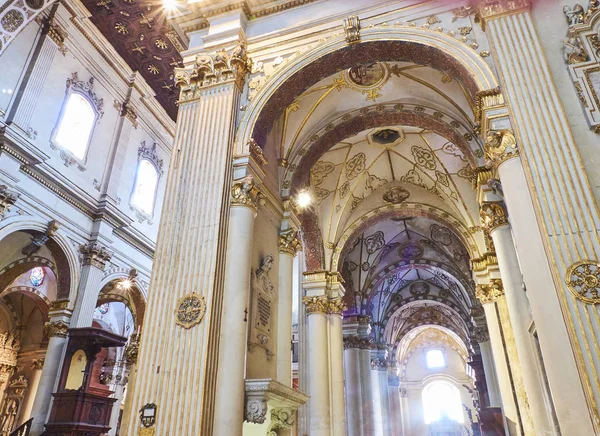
{"x": 500, "y": 146}
{"x": 190, "y": 310}
{"x": 583, "y": 280}
{"x": 246, "y": 193}
{"x": 289, "y": 242}
{"x": 491, "y": 292}
{"x": 493, "y": 215}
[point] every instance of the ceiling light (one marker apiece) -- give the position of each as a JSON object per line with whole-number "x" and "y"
{"x": 170, "y": 5}
{"x": 304, "y": 199}
{"x": 125, "y": 284}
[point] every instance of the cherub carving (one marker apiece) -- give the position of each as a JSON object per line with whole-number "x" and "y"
{"x": 574, "y": 14}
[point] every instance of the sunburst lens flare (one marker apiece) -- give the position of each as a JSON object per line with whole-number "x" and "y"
{"x": 304, "y": 199}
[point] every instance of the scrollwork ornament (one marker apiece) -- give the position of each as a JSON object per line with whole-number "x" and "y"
{"x": 246, "y": 193}
{"x": 583, "y": 281}
{"x": 256, "y": 410}
{"x": 336, "y": 306}
{"x": 190, "y": 310}
{"x": 316, "y": 304}
{"x": 491, "y": 292}
{"x": 56, "y": 328}
{"x": 500, "y": 146}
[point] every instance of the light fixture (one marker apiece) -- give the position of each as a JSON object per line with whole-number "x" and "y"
{"x": 170, "y": 5}
{"x": 125, "y": 284}
{"x": 304, "y": 199}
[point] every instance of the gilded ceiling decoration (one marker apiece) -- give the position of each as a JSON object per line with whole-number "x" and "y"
{"x": 141, "y": 34}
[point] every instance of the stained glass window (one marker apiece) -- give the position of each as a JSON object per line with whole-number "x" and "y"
{"x": 76, "y": 125}
{"x": 145, "y": 187}
{"x": 36, "y": 276}
{"x": 103, "y": 309}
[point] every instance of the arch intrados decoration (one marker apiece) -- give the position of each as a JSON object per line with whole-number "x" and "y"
{"x": 66, "y": 258}
{"x": 403, "y": 210}
{"x": 39, "y": 299}
{"x": 360, "y": 120}
{"x": 391, "y": 43}
{"x": 410, "y": 337}
{"x": 20, "y": 266}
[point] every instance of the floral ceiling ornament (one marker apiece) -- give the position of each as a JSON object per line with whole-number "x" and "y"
{"x": 355, "y": 165}
{"x": 441, "y": 234}
{"x": 423, "y": 157}
{"x": 583, "y": 280}
{"x": 319, "y": 171}
{"x": 374, "y": 242}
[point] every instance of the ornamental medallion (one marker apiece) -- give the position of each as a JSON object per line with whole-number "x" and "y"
{"x": 190, "y": 310}
{"x": 583, "y": 280}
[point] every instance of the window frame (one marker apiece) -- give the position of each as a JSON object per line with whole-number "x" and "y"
{"x": 150, "y": 154}
{"x": 84, "y": 90}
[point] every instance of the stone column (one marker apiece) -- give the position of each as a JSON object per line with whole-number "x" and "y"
{"x": 229, "y": 410}
{"x": 488, "y": 294}
{"x": 289, "y": 244}
{"x": 495, "y": 220}
{"x": 318, "y": 366}
{"x": 354, "y": 410}
{"x": 56, "y": 331}
{"x": 95, "y": 257}
{"x": 395, "y": 409}
{"x": 380, "y": 373}
{"x": 179, "y": 351}
{"x": 490, "y": 372}
{"x": 403, "y": 392}
{"x": 336, "y": 356}
{"x": 366, "y": 387}
{"x": 116, "y": 410}
{"x": 553, "y": 213}
{"x": 32, "y": 388}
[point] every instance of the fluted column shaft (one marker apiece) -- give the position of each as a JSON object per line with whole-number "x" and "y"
{"x": 556, "y": 226}
{"x": 509, "y": 403}
{"x": 384, "y": 400}
{"x": 366, "y": 387}
{"x": 229, "y": 412}
{"x": 336, "y": 350}
{"x": 56, "y": 329}
{"x": 179, "y": 351}
{"x": 395, "y": 407}
{"x": 354, "y": 410}
{"x": 518, "y": 310}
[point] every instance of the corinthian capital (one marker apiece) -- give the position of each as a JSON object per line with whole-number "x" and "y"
{"x": 213, "y": 69}
{"x": 7, "y": 199}
{"x": 246, "y": 193}
{"x": 95, "y": 254}
{"x": 493, "y": 215}
{"x": 491, "y": 292}
{"x": 56, "y": 328}
{"x": 490, "y": 9}
{"x": 336, "y": 306}
{"x": 500, "y": 146}
{"x": 316, "y": 304}
{"x": 289, "y": 242}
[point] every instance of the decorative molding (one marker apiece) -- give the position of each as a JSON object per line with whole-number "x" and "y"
{"x": 491, "y": 292}
{"x": 316, "y": 304}
{"x": 56, "y": 328}
{"x": 37, "y": 364}
{"x": 246, "y": 193}
{"x": 583, "y": 280}
{"x": 9, "y": 349}
{"x": 336, "y": 306}
{"x": 257, "y": 152}
{"x": 352, "y": 29}
{"x": 7, "y": 199}
{"x": 500, "y": 146}
{"x": 281, "y": 419}
{"x": 263, "y": 392}
{"x": 87, "y": 89}
{"x": 38, "y": 242}
{"x": 95, "y": 254}
{"x": 487, "y": 99}
{"x": 150, "y": 152}
{"x": 132, "y": 349}
{"x": 128, "y": 112}
{"x": 481, "y": 334}
{"x": 190, "y": 310}
{"x": 493, "y": 215}
{"x": 289, "y": 242}
{"x": 491, "y": 9}
{"x": 210, "y": 70}
{"x": 484, "y": 262}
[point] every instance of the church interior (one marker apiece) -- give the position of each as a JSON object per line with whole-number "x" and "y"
{"x": 299, "y": 217}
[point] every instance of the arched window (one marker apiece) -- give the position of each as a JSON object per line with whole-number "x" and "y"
{"x": 144, "y": 190}
{"x": 441, "y": 402}
{"x": 75, "y": 125}
{"x": 36, "y": 276}
{"x": 435, "y": 358}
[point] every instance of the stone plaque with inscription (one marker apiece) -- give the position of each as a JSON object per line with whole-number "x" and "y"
{"x": 263, "y": 297}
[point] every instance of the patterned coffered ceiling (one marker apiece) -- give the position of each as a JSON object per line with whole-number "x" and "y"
{"x": 141, "y": 34}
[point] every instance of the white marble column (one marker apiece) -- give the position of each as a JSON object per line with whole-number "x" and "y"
{"x": 404, "y": 411}
{"x": 496, "y": 221}
{"x": 336, "y": 353}
{"x": 553, "y": 213}
{"x": 32, "y": 388}
{"x": 56, "y": 329}
{"x": 491, "y": 378}
{"x": 116, "y": 410}
{"x": 318, "y": 366}
{"x": 366, "y": 387}
{"x": 95, "y": 257}
{"x": 289, "y": 244}
{"x": 384, "y": 399}
{"x": 488, "y": 296}
{"x": 179, "y": 351}
{"x": 229, "y": 410}
{"x": 354, "y": 410}
{"x": 395, "y": 408}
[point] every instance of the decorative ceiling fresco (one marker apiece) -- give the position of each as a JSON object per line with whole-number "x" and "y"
{"x": 141, "y": 34}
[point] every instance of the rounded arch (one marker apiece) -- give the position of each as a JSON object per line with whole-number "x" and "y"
{"x": 134, "y": 297}
{"x": 401, "y": 350}
{"x": 40, "y": 300}
{"x": 378, "y": 43}
{"x": 65, "y": 255}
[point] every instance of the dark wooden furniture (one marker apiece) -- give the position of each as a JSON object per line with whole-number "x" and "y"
{"x": 82, "y": 411}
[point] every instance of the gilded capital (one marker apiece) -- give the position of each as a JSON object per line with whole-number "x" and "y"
{"x": 491, "y": 9}
{"x": 336, "y": 306}
{"x": 213, "y": 69}
{"x": 56, "y": 328}
{"x": 353, "y": 341}
{"x": 481, "y": 334}
{"x": 318, "y": 304}
{"x": 289, "y": 242}
{"x": 491, "y": 292}
{"x": 95, "y": 254}
{"x": 500, "y": 146}
{"x": 493, "y": 215}
{"x": 246, "y": 193}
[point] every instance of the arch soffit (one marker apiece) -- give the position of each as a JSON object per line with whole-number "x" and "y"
{"x": 134, "y": 298}
{"x": 402, "y": 349}
{"x": 378, "y": 43}
{"x": 40, "y": 300}
{"x": 66, "y": 256}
